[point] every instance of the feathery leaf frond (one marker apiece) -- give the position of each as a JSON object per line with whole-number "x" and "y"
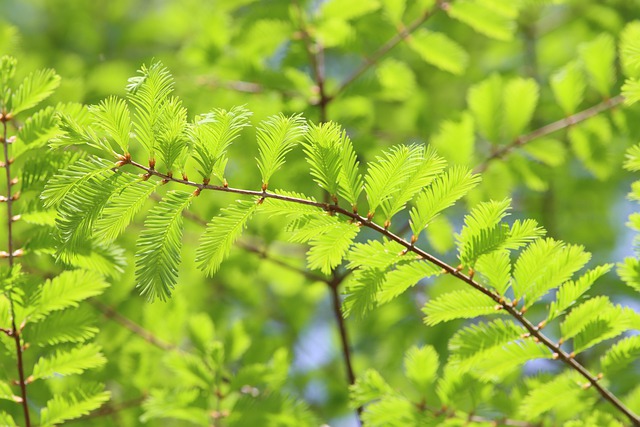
{"x": 73, "y": 404}
{"x": 35, "y": 88}
{"x": 463, "y": 304}
{"x": 572, "y": 290}
{"x": 113, "y": 117}
{"x": 403, "y": 277}
{"x": 70, "y": 362}
{"x": 443, "y": 192}
{"x": 158, "y": 249}
{"x": 276, "y": 137}
{"x": 212, "y": 134}
{"x": 328, "y": 248}
{"x": 222, "y": 231}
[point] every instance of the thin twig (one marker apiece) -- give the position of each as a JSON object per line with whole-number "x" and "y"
{"x": 511, "y": 308}
{"x": 384, "y": 49}
{"x": 550, "y": 128}
{"x": 107, "y": 410}
{"x": 111, "y": 313}
{"x": 15, "y": 331}
{"x": 315, "y": 52}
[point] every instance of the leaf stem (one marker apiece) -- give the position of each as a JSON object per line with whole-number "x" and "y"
{"x": 15, "y": 331}
{"x": 535, "y": 333}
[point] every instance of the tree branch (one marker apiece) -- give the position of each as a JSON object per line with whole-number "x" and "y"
{"x": 510, "y": 308}
{"x": 384, "y": 49}
{"x": 548, "y": 129}
{"x": 111, "y": 313}
{"x": 15, "y": 331}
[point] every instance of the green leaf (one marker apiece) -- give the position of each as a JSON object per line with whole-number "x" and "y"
{"x": 73, "y": 404}
{"x": 113, "y": 117}
{"x": 391, "y": 174}
{"x": 35, "y": 88}
{"x": 629, "y": 272}
{"x": 439, "y": 50}
{"x": 361, "y": 291}
{"x": 421, "y": 366}
{"x": 631, "y": 91}
{"x": 355, "y": 9}
{"x": 7, "y": 420}
{"x": 571, "y": 291}
{"x": 276, "y": 137}
{"x": 545, "y": 265}
{"x": 508, "y": 358}
{"x": 568, "y": 86}
{"x": 74, "y": 361}
{"x": 67, "y": 290}
{"x": 598, "y": 317}
{"x": 404, "y": 276}
{"x": 122, "y": 208}
{"x": 159, "y": 244}
{"x": 495, "y": 267}
{"x": 598, "y": 57}
{"x": 519, "y": 103}
{"x": 621, "y": 354}
{"x": 328, "y": 248}
{"x": 149, "y": 93}
{"x": 75, "y": 176}
{"x": 334, "y": 164}
{"x": 38, "y": 129}
{"x": 455, "y": 140}
{"x": 211, "y": 135}
{"x": 463, "y": 304}
{"x": 81, "y": 208}
{"x": 555, "y": 393}
{"x": 67, "y": 326}
{"x": 5, "y": 392}
{"x": 370, "y": 386}
{"x": 495, "y": 23}
{"x": 222, "y": 231}
{"x": 178, "y": 404}
{"x": 443, "y": 192}
{"x": 477, "y": 343}
{"x": 171, "y": 135}
{"x": 421, "y": 174}
{"x": 394, "y": 10}
{"x": 630, "y": 49}
{"x": 485, "y": 102}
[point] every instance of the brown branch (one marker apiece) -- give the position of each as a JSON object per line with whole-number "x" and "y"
{"x": 315, "y": 52}
{"x": 15, "y": 331}
{"x": 111, "y": 313}
{"x": 385, "y": 48}
{"x": 107, "y": 410}
{"x": 510, "y": 308}
{"x": 550, "y": 128}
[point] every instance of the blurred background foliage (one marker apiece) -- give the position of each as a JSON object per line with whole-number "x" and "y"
{"x": 261, "y": 54}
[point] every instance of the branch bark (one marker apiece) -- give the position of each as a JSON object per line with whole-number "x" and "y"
{"x": 511, "y": 308}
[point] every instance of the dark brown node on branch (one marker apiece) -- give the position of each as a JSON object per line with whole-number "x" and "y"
{"x": 205, "y": 181}
{"x": 196, "y": 192}
{"x": 16, "y": 196}
{"x": 152, "y": 163}
{"x": 225, "y": 184}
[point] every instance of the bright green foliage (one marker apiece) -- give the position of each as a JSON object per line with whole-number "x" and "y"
{"x": 439, "y": 50}
{"x": 73, "y": 404}
{"x": 276, "y": 136}
{"x": 421, "y": 366}
{"x": 443, "y": 192}
{"x": 211, "y": 134}
{"x": 394, "y": 180}
{"x": 572, "y": 290}
{"x": 333, "y": 162}
{"x": 398, "y": 280}
{"x": 483, "y": 232}
{"x": 495, "y": 267}
{"x": 329, "y": 247}
{"x": 630, "y": 49}
{"x": 74, "y": 361}
{"x": 113, "y": 116}
{"x": 545, "y": 265}
{"x": 465, "y": 304}
{"x": 598, "y": 57}
{"x": 221, "y": 233}
{"x": 503, "y": 109}
{"x": 621, "y": 354}
{"x": 593, "y": 321}
{"x": 568, "y": 86}
{"x": 491, "y": 18}
{"x": 562, "y": 391}
{"x": 150, "y": 93}
{"x": 121, "y": 209}
{"x": 158, "y": 251}
{"x": 35, "y": 88}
